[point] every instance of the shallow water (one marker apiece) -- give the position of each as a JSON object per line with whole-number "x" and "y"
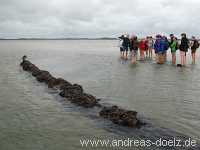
{"x": 34, "y": 117}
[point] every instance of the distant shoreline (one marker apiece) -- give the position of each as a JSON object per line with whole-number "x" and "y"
{"x": 59, "y": 39}
{"x": 67, "y": 39}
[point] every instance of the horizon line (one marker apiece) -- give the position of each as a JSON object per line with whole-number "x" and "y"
{"x": 70, "y": 38}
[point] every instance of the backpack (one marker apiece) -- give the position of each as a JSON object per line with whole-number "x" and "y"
{"x": 196, "y": 44}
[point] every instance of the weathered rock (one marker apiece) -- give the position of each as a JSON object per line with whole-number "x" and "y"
{"x": 75, "y": 94}
{"x": 51, "y": 82}
{"x": 36, "y": 72}
{"x": 65, "y": 85}
{"x": 71, "y": 91}
{"x": 59, "y": 83}
{"x": 26, "y": 65}
{"x": 120, "y": 116}
{"x": 44, "y": 76}
{"x": 85, "y": 100}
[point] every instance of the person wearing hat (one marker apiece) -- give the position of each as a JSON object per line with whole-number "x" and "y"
{"x": 183, "y": 48}
{"x": 126, "y": 45}
{"x": 157, "y": 47}
{"x": 194, "y": 47}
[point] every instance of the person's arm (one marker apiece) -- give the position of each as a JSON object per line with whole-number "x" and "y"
{"x": 191, "y": 43}
{"x": 188, "y": 43}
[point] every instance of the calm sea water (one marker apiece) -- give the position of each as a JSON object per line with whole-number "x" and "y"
{"x": 33, "y": 117}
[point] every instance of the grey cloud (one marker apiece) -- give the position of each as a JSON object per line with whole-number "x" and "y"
{"x": 95, "y": 18}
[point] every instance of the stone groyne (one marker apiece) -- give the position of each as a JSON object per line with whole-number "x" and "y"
{"x": 76, "y": 94}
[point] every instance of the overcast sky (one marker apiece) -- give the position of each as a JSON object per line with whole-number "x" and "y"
{"x": 97, "y": 18}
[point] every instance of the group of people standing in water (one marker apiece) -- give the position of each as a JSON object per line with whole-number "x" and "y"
{"x": 160, "y": 45}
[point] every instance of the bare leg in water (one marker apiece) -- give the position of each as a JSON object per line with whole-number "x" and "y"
{"x": 182, "y": 57}
{"x": 126, "y": 57}
{"x": 121, "y": 52}
{"x": 141, "y": 54}
{"x": 146, "y": 51}
{"x": 150, "y": 53}
{"x": 134, "y": 57}
{"x": 174, "y": 58}
{"x": 193, "y": 58}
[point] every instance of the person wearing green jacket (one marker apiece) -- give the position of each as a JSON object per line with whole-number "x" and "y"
{"x": 173, "y": 46}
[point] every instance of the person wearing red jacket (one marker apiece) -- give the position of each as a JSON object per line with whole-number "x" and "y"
{"x": 142, "y": 47}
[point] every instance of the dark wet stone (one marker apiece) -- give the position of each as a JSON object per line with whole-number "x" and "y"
{"x": 59, "y": 83}
{"x": 35, "y": 70}
{"x": 52, "y": 82}
{"x": 75, "y": 94}
{"x": 44, "y": 76}
{"x": 120, "y": 116}
{"x": 26, "y": 65}
{"x": 72, "y": 90}
{"x": 85, "y": 100}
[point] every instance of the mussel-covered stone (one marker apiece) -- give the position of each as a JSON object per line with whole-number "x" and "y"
{"x": 120, "y": 116}
{"x": 75, "y": 94}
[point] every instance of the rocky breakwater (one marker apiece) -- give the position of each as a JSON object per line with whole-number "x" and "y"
{"x": 75, "y": 94}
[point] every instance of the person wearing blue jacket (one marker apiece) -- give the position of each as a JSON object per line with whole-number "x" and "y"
{"x": 161, "y": 46}
{"x": 157, "y": 46}
{"x": 165, "y": 47}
